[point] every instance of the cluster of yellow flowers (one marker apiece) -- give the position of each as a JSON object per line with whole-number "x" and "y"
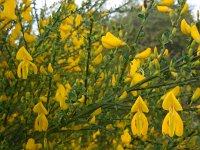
{"x": 190, "y": 30}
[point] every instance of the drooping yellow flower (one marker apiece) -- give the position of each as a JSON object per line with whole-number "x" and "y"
{"x": 195, "y": 33}
{"x": 41, "y": 123}
{"x": 164, "y": 9}
{"x": 110, "y": 41}
{"x": 23, "y": 67}
{"x": 166, "y": 3}
{"x": 172, "y": 123}
{"x": 62, "y": 95}
{"x": 144, "y": 54}
{"x": 31, "y": 145}
{"x": 126, "y": 138}
{"x": 9, "y": 10}
{"x": 185, "y": 28}
{"x": 139, "y": 123}
{"x": 185, "y": 9}
{"x": 97, "y": 60}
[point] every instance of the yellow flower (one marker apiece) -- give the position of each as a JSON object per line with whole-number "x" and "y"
{"x": 29, "y": 37}
{"x": 22, "y": 70}
{"x": 196, "y": 94}
{"x": 40, "y": 109}
{"x": 120, "y": 147}
{"x": 110, "y": 41}
{"x": 23, "y": 67}
{"x": 62, "y": 95}
{"x": 185, "y": 9}
{"x": 185, "y": 28}
{"x": 134, "y": 65}
{"x": 50, "y": 69}
{"x": 92, "y": 120}
{"x": 9, "y": 10}
{"x": 172, "y": 123}
{"x": 126, "y": 138}
{"x": 95, "y": 134}
{"x": 166, "y": 2}
{"x": 143, "y": 55}
{"x": 26, "y": 15}
{"x": 97, "y": 112}
{"x": 68, "y": 20}
{"x": 113, "y": 80}
{"x": 78, "y": 20}
{"x": 97, "y": 60}
{"x": 42, "y": 70}
{"x": 198, "y": 51}
{"x": 170, "y": 102}
{"x": 123, "y": 96}
{"x": 166, "y": 53}
{"x": 164, "y": 9}
{"x": 139, "y": 123}
{"x": 98, "y": 50}
{"x": 41, "y": 123}
{"x": 82, "y": 99}
{"x": 136, "y": 79}
{"x": 195, "y": 33}
{"x": 31, "y": 145}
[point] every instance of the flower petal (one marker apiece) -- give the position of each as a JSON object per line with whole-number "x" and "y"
{"x": 133, "y": 125}
{"x": 179, "y": 125}
{"x": 170, "y": 102}
{"x": 145, "y": 124}
{"x": 110, "y": 41}
{"x": 195, "y": 33}
{"x": 185, "y": 28}
{"x": 144, "y": 54}
{"x": 139, "y": 105}
{"x": 19, "y": 70}
{"x": 23, "y": 54}
{"x": 165, "y": 125}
